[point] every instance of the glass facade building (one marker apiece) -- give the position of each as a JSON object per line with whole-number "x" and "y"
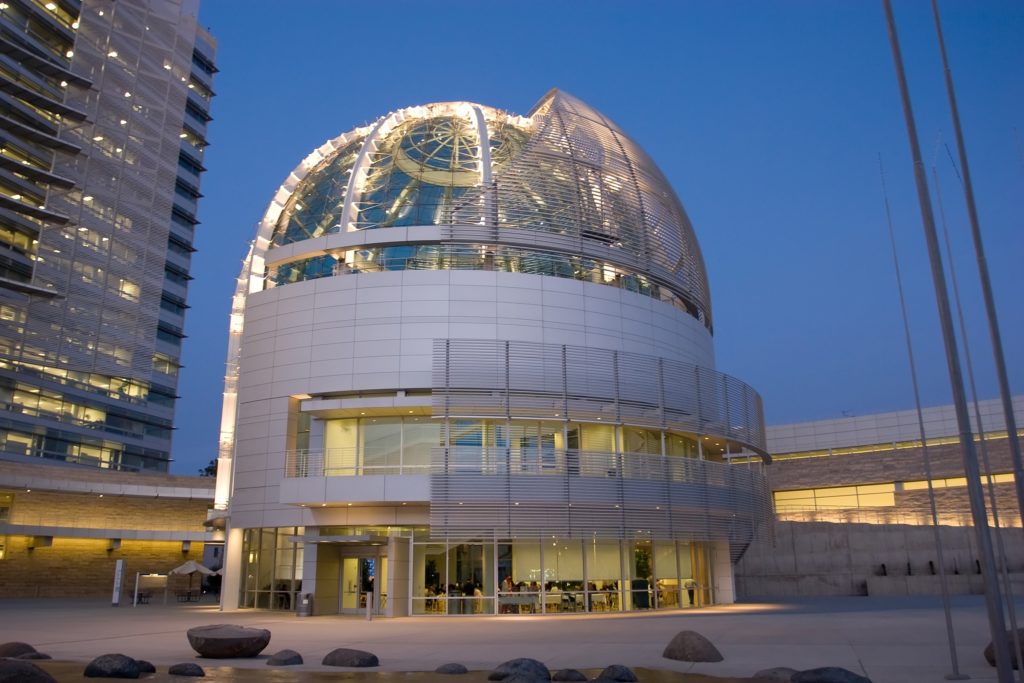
{"x": 106, "y": 106}
{"x": 471, "y": 372}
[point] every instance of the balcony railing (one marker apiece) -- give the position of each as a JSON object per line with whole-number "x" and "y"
{"x": 476, "y": 460}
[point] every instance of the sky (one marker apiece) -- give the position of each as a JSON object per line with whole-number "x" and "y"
{"x": 774, "y": 121}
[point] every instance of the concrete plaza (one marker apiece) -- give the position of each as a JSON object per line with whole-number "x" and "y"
{"x": 888, "y": 640}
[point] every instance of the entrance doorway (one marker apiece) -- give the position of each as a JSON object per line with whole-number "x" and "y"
{"x": 362, "y": 577}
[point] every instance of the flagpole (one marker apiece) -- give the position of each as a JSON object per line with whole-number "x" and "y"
{"x": 986, "y": 284}
{"x": 993, "y": 600}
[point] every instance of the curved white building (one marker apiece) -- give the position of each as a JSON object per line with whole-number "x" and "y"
{"x": 472, "y": 349}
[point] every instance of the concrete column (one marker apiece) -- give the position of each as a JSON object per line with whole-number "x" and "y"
{"x": 309, "y": 558}
{"x": 721, "y": 573}
{"x": 399, "y": 564}
{"x": 232, "y": 569}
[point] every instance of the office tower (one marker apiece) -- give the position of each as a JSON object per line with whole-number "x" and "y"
{"x": 104, "y": 124}
{"x": 469, "y": 346}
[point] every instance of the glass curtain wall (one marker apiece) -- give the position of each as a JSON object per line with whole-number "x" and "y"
{"x": 556, "y": 575}
{"x": 402, "y": 445}
{"x": 379, "y": 445}
{"x": 272, "y": 568}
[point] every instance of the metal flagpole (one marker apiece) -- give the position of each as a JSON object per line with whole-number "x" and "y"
{"x": 943, "y": 583}
{"x": 986, "y": 285}
{"x": 987, "y": 468}
{"x": 993, "y": 600}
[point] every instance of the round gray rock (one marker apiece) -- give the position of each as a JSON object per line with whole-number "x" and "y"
{"x": 778, "y": 673}
{"x": 828, "y": 674}
{"x": 187, "y": 669}
{"x": 523, "y": 666}
{"x": 112, "y": 666}
{"x": 690, "y": 646}
{"x": 344, "y": 656}
{"x": 34, "y": 655}
{"x": 452, "y": 668}
{"x": 285, "y": 658}
{"x": 990, "y": 651}
{"x": 524, "y": 678}
{"x": 618, "y": 672}
{"x": 15, "y": 648}
{"x": 569, "y": 675}
{"x": 227, "y": 641}
{"x": 18, "y": 671}
{"x": 145, "y": 667}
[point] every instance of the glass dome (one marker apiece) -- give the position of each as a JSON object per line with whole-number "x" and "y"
{"x": 561, "y": 192}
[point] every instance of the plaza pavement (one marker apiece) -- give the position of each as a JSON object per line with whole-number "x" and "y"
{"x": 889, "y": 640}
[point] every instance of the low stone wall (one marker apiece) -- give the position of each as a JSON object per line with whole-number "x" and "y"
{"x": 84, "y": 567}
{"x": 792, "y": 559}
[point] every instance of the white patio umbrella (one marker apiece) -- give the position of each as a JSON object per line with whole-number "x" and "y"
{"x": 191, "y": 567}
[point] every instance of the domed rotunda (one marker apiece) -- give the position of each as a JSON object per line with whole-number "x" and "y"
{"x": 471, "y": 372}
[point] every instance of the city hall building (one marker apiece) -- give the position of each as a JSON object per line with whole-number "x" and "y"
{"x": 471, "y": 371}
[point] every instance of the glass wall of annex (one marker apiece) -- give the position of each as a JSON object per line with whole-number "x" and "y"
{"x": 557, "y": 575}
{"x": 505, "y": 576}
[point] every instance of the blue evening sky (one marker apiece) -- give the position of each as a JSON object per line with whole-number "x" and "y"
{"x": 767, "y": 117}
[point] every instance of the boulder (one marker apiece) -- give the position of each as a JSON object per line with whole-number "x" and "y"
{"x": 569, "y": 675}
{"x": 523, "y": 666}
{"x": 15, "y": 648}
{"x": 778, "y": 673}
{"x": 227, "y": 641}
{"x": 34, "y": 655}
{"x": 344, "y": 656}
{"x": 452, "y": 668}
{"x": 145, "y": 667}
{"x": 690, "y": 646}
{"x": 187, "y": 669}
{"x": 112, "y": 666}
{"x": 828, "y": 674}
{"x": 618, "y": 672}
{"x": 285, "y": 658}
{"x": 19, "y": 671}
{"x": 990, "y": 651}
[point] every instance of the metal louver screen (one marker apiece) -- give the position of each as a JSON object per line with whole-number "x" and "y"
{"x": 577, "y": 494}
{"x": 513, "y": 379}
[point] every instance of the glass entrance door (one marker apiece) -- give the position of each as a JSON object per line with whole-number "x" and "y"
{"x": 362, "y": 577}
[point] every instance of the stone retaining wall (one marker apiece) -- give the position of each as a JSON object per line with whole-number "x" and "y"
{"x": 793, "y": 559}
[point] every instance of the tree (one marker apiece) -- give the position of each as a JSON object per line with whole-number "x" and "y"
{"x": 210, "y": 470}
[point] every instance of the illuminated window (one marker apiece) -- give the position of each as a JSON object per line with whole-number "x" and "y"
{"x": 128, "y": 290}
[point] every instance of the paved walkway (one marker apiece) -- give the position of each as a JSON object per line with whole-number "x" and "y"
{"x": 888, "y": 640}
